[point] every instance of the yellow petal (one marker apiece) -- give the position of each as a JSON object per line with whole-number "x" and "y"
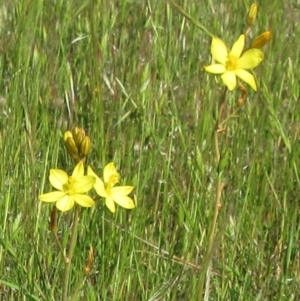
{"x": 52, "y": 196}
{"x": 78, "y": 171}
{"x": 121, "y": 190}
{"x": 215, "y": 69}
{"x": 83, "y": 200}
{"x": 65, "y": 204}
{"x": 99, "y": 185}
{"x": 58, "y": 178}
{"x": 238, "y": 46}
{"x": 250, "y": 59}
{"x": 84, "y": 184}
{"x": 124, "y": 201}
{"x": 247, "y": 77}
{"x": 110, "y": 204}
{"x": 219, "y": 51}
{"x": 229, "y": 79}
{"x": 110, "y": 174}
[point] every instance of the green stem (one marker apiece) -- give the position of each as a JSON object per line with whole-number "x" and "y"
{"x": 209, "y": 252}
{"x": 60, "y": 247}
{"x": 219, "y": 188}
{"x": 70, "y": 253}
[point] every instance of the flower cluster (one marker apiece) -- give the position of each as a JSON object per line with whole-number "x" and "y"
{"x": 72, "y": 189}
{"x": 77, "y": 143}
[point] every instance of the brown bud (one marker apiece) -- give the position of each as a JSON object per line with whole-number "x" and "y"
{"x": 89, "y": 263}
{"x": 261, "y": 40}
{"x": 242, "y": 99}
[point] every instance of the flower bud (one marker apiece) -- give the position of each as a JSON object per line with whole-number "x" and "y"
{"x": 85, "y": 147}
{"x": 242, "y": 99}
{"x": 252, "y": 14}
{"x": 70, "y": 145}
{"x": 77, "y": 143}
{"x": 78, "y": 135}
{"x": 68, "y": 134}
{"x": 89, "y": 263}
{"x": 261, "y": 40}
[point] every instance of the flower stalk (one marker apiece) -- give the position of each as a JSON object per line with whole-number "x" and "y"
{"x": 230, "y": 65}
{"x": 71, "y": 193}
{"x": 70, "y": 253}
{"x": 217, "y": 203}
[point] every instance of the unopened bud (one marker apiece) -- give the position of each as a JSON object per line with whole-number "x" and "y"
{"x": 89, "y": 262}
{"x": 75, "y": 130}
{"x": 68, "y": 134}
{"x": 70, "y": 145}
{"x": 85, "y": 147}
{"x": 261, "y": 40}
{"x": 252, "y": 14}
{"x": 78, "y": 135}
{"x": 77, "y": 143}
{"x": 242, "y": 99}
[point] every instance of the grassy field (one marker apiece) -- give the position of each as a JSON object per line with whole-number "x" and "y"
{"x": 131, "y": 74}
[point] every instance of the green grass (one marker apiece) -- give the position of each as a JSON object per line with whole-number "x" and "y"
{"x": 131, "y": 73}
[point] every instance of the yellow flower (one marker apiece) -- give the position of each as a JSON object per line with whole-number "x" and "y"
{"x": 71, "y": 189}
{"x": 106, "y": 189}
{"x": 234, "y": 63}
